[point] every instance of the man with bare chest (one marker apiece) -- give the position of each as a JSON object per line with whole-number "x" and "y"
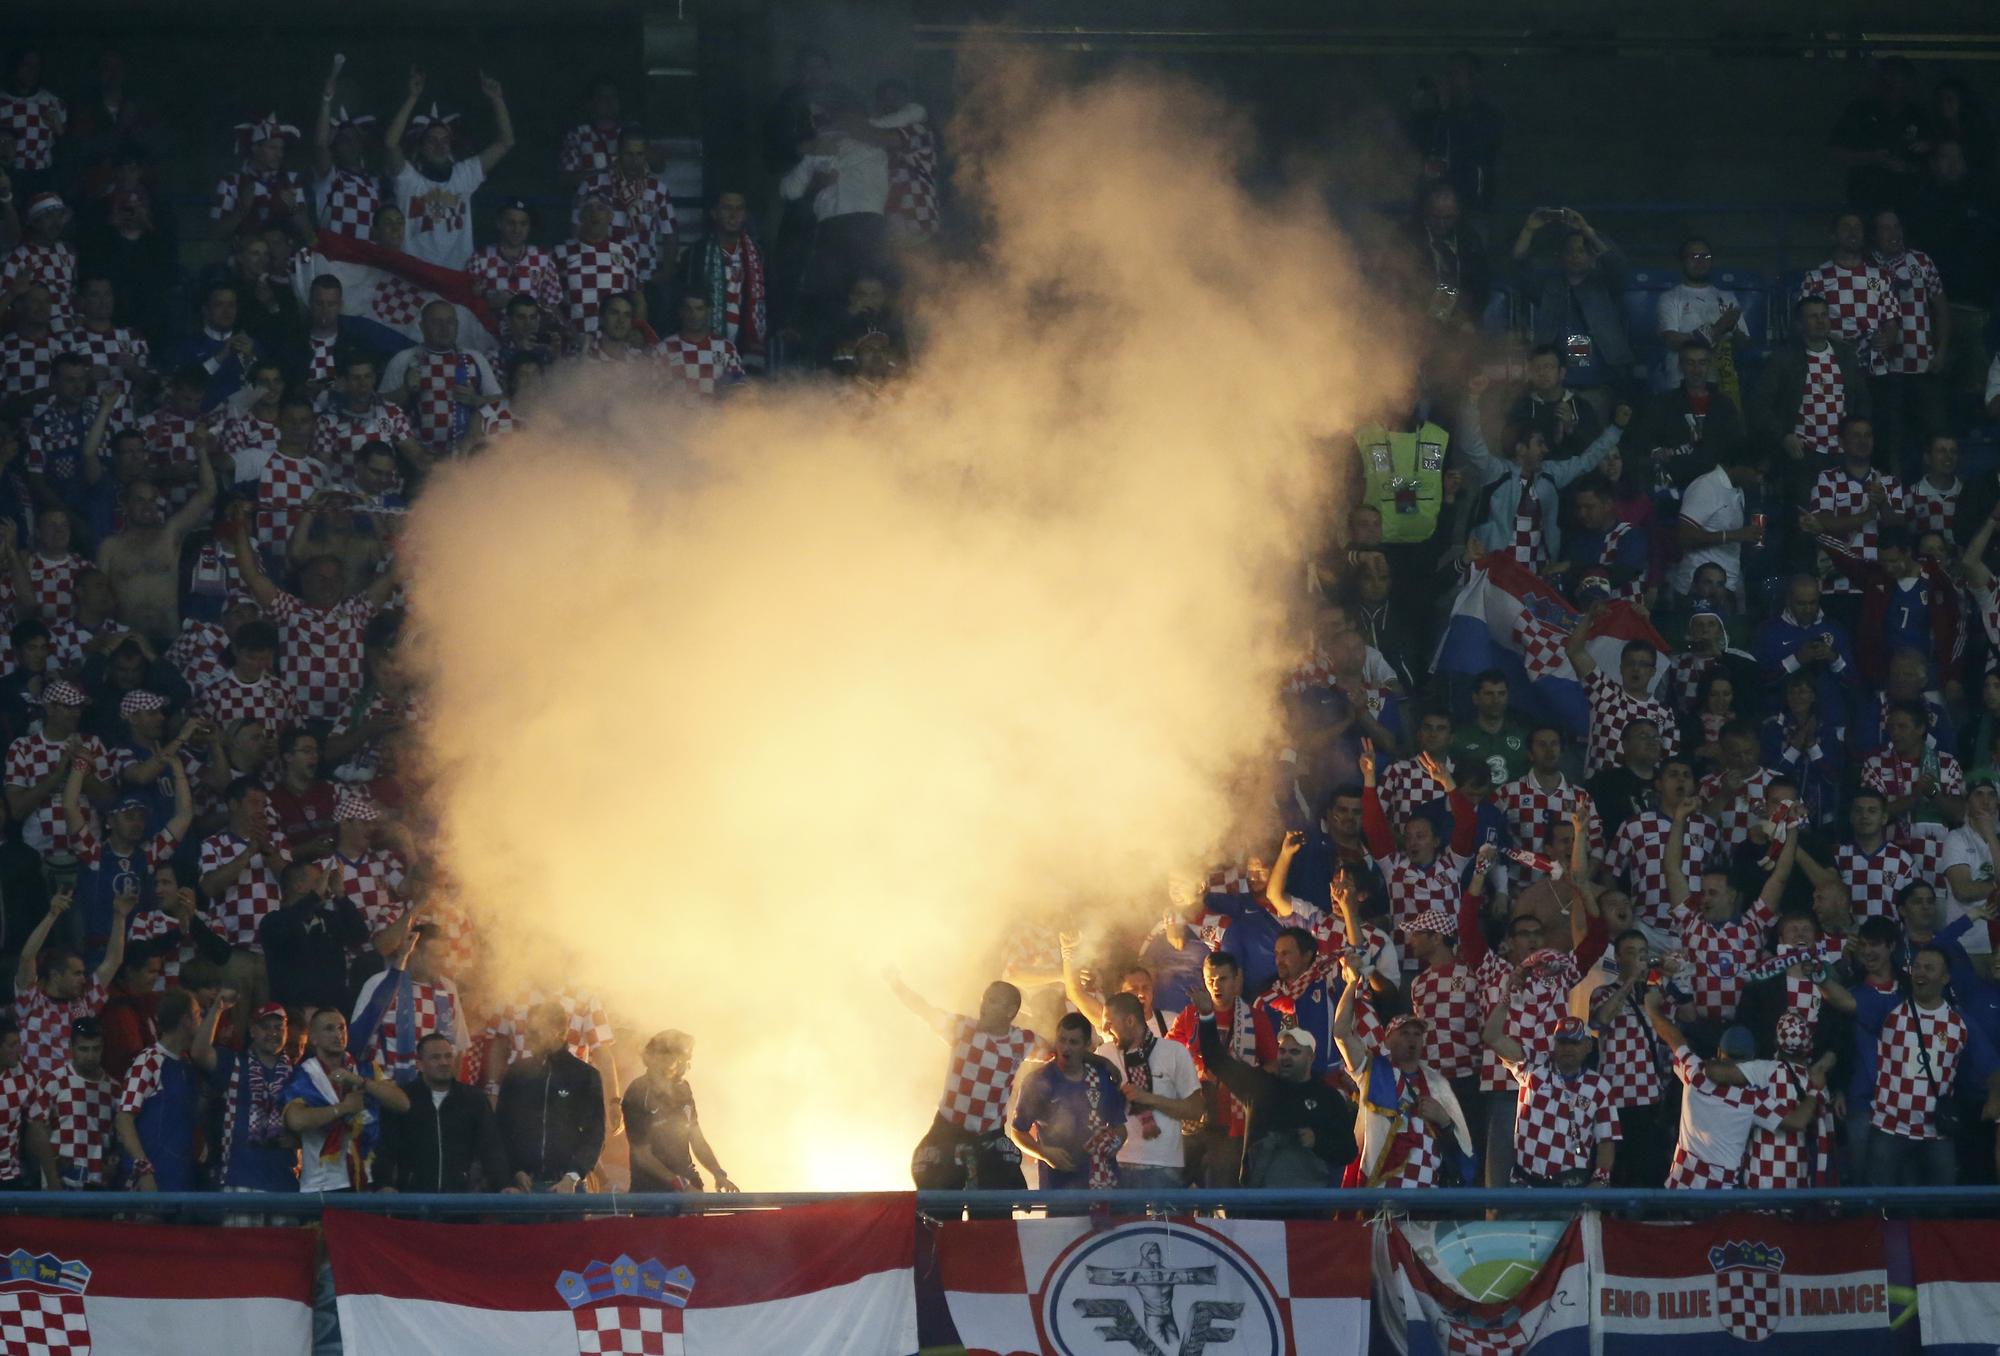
{"x": 143, "y": 560}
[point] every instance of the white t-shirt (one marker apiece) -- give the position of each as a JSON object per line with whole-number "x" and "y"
{"x": 1712, "y": 502}
{"x": 860, "y": 172}
{"x": 1173, "y": 1076}
{"x": 1962, "y": 847}
{"x": 1685, "y": 308}
{"x": 1712, "y": 1129}
{"x": 438, "y": 213}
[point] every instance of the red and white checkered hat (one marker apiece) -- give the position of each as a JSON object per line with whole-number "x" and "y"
{"x": 353, "y": 805}
{"x": 248, "y": 134}
{"x": 135, "y": 702}
{"x": 1432, "y": 920}
{"x": 1795, "y": 1033}
{"x": 61, "y": 693}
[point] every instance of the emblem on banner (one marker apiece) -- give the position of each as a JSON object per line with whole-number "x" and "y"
{"x": 626, "y": 1306}
{"x": 41, "y": 1305}
{"x": 1159, "y": 1289}
{"x": 1749, "y": 1288}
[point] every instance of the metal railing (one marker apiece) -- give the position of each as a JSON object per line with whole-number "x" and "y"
{"x": 1463, "y": 1201}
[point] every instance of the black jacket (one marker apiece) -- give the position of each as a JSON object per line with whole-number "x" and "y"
{"x": 305, "y": 951}
{"x": 1666, "y": 445}
{"x": 1279, "y": 1106}
{"x": 1774, "y": 406}
{"x": 440, "y": 1147}
{"x": 552, "y": 1117}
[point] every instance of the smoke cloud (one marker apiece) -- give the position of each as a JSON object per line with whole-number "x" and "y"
{"x": 733, "y": 708}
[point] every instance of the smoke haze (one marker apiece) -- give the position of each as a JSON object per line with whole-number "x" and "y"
{"x": 733, "y": 708}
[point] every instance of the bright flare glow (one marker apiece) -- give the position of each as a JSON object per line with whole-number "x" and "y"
{"x": 733, "y": 709}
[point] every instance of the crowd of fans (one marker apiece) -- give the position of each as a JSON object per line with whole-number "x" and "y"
{"x": 238, "y": 965}
{"x": 1726, "y": 920}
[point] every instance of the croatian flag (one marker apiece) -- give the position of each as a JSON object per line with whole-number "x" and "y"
{"x": 1743, "y": 1282}
{"x": 1956, "y": 1265}
{"x": 384, "y": 291}
{"x": 75, "y": 1286}
{"x": 1484, "y": 1288}
{"x": 1250, "y": 1287}
{"x": 1507, "y": 617}
{"x": 819, "y": 1280}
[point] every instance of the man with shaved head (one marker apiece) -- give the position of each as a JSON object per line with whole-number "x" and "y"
{"x": 440, "y": 385}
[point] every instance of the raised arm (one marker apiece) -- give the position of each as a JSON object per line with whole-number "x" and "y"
{"x": 1494, "y": 1031}
{"x": 914, "y": 1001}
{"x": 252, "y": 568}
{"x": 1374, "y": 824}
{"x": 201, "y": 1050}
{"x": 1774, "y": 887}
{"x": 1471, "y": 904}
{"x": 1276, "y": 897}
{"x": 1677, "y": 886}
{"x": 38, "y": 936}
{"x": 1577, "y": 644}
{"x": 183, "y": 815}
{"x": 392, "y": 135}
{"x": 195, "y": 511}
{"x": 1084, "y": 1001}
{"x": 122, "y": 906}
{"x": 503, "y": 140}
{"x": 1471, "y": 440}
{"x": 323, "y": 124}
{"x": 1353, "y": 1053}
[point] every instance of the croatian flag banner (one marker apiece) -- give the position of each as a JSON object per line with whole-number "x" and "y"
{"x": 1159, "y": 1287}
{"x": 1956, "y": 1265}
{"x": 1741, "y": 1282}
{"x": 1480, "y": 1288}
{"x": 69, "y": 1287}
{"x": 820, "y": 1280}
{"x": 1510, "y": 618}
{"x": 385, "y": 292}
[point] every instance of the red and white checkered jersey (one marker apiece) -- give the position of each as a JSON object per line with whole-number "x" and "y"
{"x": 1688, "y": 1173}
{"x": 1532, "y": 1013}
{"x": 78, "y": 1112}
{"x": 703, "y": 367}
{"x": 1628, "y": 1054}
{"x": 341, "y": 434}
{"x": 247, "y": 441}
{"x": 1736, "y": 806}
{"x": 284, "y": 487}
{"x": 913, "y": 198}
{"x": 323, "y": 652}
{"x": 1405, "y": 787}
{"x": 36, "y": 120}
{"x": 1559, "y": 1120}
{"x": 1638, "y": 857}
{"x": 533, "y": 274}
{"x": 54, "y": 267}
{"x": 45, "y": 1024}
{"x": 440, "y": 422}
{"x": 642, "y": 214}
{"x": 68, "y": 638}
{"x": 1528, "y": 546}
{"x": 1874, "y": 878}
{"x": 101, "y": 347}
{"x": 31, "y": 758}
{"x": 27, "y": 364}
{"x": 170, "y": 447}
{"x": 429, "y": 1002}
{"x": 1930, "y": 509}
{"x": 227, "y": 698}
{"x": 1417, "y": 889}
{"x": 1612, "y": 708}
{"x": 346, "y": 202}
{"x": 1532, "y": 811}
{"x": 1837, "y": 493}
{"x": 1859, "y": 302}
{"x": 1906, "y": 1095}
{"x": 1918, "y": 289}
{"x": 1718, "y": 954}
{"x": 259, "y": 191}
{"x": 54, "y": 578}
{"x": 592, "y": 275}
{"x": 1897, "y": 777}
{"x": 255, "y": 894}
{"x": 1777, "y": 1159}
{"x": 589, "y": 1024}
{"x": 145, "y": 1077}
{"x": 587, "y": 149}
{"x": 374, "y": 881}
{"x": 1448, "y": 997}
{"x": 1822, "y": 404}
{"x": 17, "y": 1090}
{"x": 979, "y": 1074}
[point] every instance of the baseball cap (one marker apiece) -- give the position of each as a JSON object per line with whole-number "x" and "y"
{"x": 1738, "y": 1043}
{"x": 124, "y": 803}
{"x": 43, "y": 203}
{"x": 1407, "y": 1019}
{"x": 136, "y": 701}
{"x": 61, "y": 693}
{"x": 268, "y": 1010}
{"x": 1570, "y": 1029}
{"x": 1298, "y": 1035}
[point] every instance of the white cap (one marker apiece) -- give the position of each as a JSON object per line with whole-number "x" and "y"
{"x": 1299, "y": 1035}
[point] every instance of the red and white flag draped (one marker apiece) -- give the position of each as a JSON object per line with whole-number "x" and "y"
{"x": 70, "y": 1287}
{"x": 811, "y": 1281}
{"x": 388, "y": 288}
{"x": 1249, "y": 1287}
